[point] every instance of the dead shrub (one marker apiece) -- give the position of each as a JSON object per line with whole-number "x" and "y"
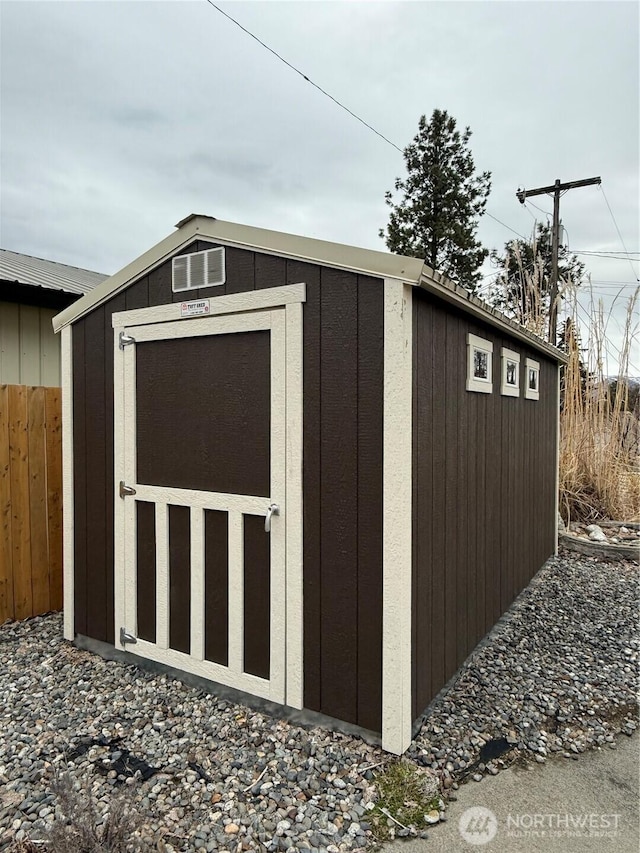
{"x": 83, "y": 829}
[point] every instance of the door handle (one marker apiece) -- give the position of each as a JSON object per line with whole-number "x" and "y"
{"x": 274, "y": 509}
{"x": 126, "y": 490}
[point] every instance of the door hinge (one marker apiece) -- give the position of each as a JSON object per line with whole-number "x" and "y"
{"x": 126, "y": 490}
{"x": 125, "y": 340}
{"x": 126, "y": 638}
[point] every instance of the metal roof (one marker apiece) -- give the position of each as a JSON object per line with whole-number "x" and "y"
{"x": 454, "y": 294}
{"x": 52, "y": 275}
{"x": 368, "y": 261}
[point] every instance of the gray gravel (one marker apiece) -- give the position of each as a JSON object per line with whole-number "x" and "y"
{"x": 557, "y": 676}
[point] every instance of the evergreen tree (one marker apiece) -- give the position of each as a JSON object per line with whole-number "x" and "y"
{"x": 523, "y": 282}
{"x": 442, "y": 199}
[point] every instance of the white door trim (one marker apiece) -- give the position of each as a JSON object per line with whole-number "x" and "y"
{"x": 396, "y": 583}
{"x": 286, "y": 683}
{"x": 294, "y": 560}
{"x": 233, "y": 303}
{"x": 278, "y": 663}
{"x": 200, "y": 326}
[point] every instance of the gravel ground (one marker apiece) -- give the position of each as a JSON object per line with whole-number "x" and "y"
{"x": 557, "y": 676}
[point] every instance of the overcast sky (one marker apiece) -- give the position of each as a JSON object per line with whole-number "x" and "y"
{"x": 120, "y": 118}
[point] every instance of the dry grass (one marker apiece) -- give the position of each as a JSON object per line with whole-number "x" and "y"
{"x": 81, "y": 829}
{"x": 406, "y": 795}
{"x": 599, "y": 434}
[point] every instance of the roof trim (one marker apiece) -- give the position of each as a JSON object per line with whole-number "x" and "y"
{"x": 364, "y": 261}
{"x": 34, "y": 294}
{"x": 435, "y": 283}
{"x": 193, "y": 227}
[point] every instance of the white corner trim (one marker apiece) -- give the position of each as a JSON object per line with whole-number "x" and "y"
{"x": 251, "y": 300}
{"x": 530, "y": 393}
{"x": 505, "y": 389}
{"x": 396, "y": 583}
{"x": 294, "y": 559}
{"x": 66, "y": 364}
{"x": 484, "y": 386}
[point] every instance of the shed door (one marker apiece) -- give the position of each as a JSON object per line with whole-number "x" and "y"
{"x": 201, "y": 583}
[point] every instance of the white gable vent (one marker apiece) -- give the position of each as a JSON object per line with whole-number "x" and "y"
{"x": 199, "y": 269}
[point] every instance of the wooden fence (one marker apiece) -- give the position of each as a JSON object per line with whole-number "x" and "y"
{"x": 30, "y": 501}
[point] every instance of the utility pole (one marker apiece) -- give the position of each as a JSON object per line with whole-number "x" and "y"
{"x": 556, "y": 189}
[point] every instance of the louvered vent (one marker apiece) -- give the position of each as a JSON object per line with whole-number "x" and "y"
{"x": 199, "y": 269}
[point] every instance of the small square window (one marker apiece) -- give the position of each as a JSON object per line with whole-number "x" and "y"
{"x": 510, "y": 386}
{"x": 532, "y": 373}
{"x": 479, "y": 364}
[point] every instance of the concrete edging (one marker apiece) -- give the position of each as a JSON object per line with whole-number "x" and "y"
{"x": 599, "y": 549}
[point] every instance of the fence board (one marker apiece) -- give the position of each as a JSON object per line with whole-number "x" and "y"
{"x": 53, "y": 421}
{"x": 20, "y": 532}
{"x": 30, "y": 501}
{"x": 6, "y": 572}
{"x": 38, "y": 501}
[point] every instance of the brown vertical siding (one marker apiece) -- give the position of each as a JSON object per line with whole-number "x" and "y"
{"x": 257, "y": 594}
{"x": 146, "y": 566}
{"x": 180, "y": 384}
{"x": 342, "y": 452}
{"x": 483, "y": 492}
{"x": 118, "y": 303}
{"x": 338, "y": 488}
{"x": 96, "y": 476}
{"x": 179, "y": 578}
{"x": 216, "y": 586}
{"x": 369, "y": 506}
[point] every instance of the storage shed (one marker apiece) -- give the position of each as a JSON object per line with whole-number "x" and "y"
{"x": 307, "y": 472}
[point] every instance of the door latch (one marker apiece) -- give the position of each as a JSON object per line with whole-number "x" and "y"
{"x": 125, "y": 340}
{"x": 274, "y": 509}
{"x": 126, "y": 490}
{"x": 126, "y": 638}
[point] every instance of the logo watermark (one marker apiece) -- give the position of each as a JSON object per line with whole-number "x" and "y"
{"x": 479, "y": 825}
{"x": 563, "y": 825}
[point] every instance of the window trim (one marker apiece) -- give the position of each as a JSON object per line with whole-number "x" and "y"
{"x": 484, "y": 386}
{"x": 532, "y": 393}
{"x": 505, "y": 389}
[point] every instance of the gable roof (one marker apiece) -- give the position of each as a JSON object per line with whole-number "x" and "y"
{"x": 366, "y": 261}
{"x": 38, "y": 272}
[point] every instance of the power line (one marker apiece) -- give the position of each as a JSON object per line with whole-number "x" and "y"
{"x": 607, "y": 341}
{"x": 546, "y": 212}
{"x": 613, "y": 282}
{"x": 331, "y": 97}
{"x": 303, "y": 75}
{"x": 504, "y": 225}
{"x": 558, "y": 189}
{"x": 603, "y": 252}
{"x": 599, "y": 255}
{"x": 604, "y": 196}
